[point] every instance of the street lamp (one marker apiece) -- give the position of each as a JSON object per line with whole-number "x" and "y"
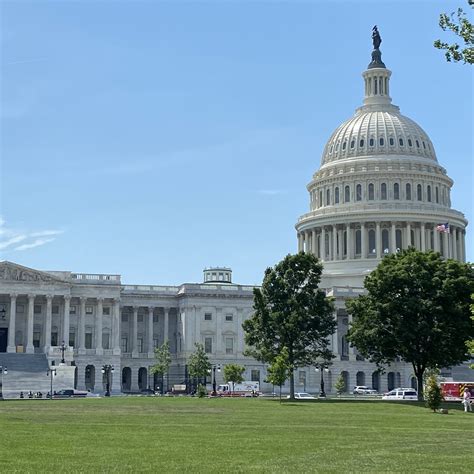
{"x": 62, "y": 348}
{"x": 3, "y": 370}
{"x": 107, "y": 370}
{"x": 322, "y": 367}
{"x": 214, "y": 368}
{"x": 51, "y": 373}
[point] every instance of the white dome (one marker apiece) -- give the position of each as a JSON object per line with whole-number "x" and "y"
{"x": 375, "y": 133}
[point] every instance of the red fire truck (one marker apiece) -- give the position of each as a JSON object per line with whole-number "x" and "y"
{"x": 454, "y": 391}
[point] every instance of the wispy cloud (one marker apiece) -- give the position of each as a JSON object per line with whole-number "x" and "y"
{"x": 271, "y": 192}
{"x": 10, "y": 237}
{"x": 35, "y": 243}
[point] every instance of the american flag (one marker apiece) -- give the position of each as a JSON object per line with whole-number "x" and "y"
{"x": 443, "y": 228}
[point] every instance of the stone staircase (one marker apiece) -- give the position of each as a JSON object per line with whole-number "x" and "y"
{"x": 28, "y": 372}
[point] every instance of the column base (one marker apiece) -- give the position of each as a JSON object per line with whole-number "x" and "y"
{"x": 30, "y": 350}
{"x": 134, "y": 355}
{"x": 81, "y": 350}
{"x": 99, "y": 351}
{"x": 151, "y": 355}
{"x": 116, "y": 351}
{"x": 11, "y": 349}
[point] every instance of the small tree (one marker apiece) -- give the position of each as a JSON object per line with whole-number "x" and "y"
{"x": 233, "y": 373}
{"x": 198, "y": 363}
{"x": 433, "y": 395}
{"x": 279, "y": 371}
{"x": 340, "y": 385}
{"x": 163, "y": 360}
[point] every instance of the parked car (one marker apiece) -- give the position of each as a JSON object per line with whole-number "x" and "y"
{"x": 363, "y": 390}
{"x": 147, "y": 392}
{"x": 303, "y": 396}
{"x": 401, "y": 394}
{"x": 68, "y": 393}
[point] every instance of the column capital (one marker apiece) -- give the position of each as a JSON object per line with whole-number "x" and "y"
{"x": 49, "y": 298}
{"x": 13, "y": 296}
{"x": 151, "y": 309}
{"x": 83, "y": 299}
{"x": 31, "y": 296}
{"x": 100, "y": 299}
{"x": 67, "y": 297}
{"x": 135, "y": 309}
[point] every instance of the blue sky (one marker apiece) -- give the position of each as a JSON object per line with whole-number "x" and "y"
{"x": 152, "y": 139}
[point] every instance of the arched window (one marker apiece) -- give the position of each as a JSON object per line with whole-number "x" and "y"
{"x": 396, "y": 191}
{"x": 353, "y": 143}
{"x": 410, "y": 142}
{"x": 381, "y": 141}
{"x": 408, "y": 191}
{"x": 371, "y": 142}
{"x": 437, "y": 194}
{"x": 328, "y": 197}
{"x": 428, "y": 193}
{"x": 419, "y": 193}
{"x": 344, "y": 146}
{"x": 400, "y": 141}
{"x": 336, "y": 196}
{"x": 320, "y": 198}
{"x": 383, "y": 191}
{"x": 398, "y": 239}
{"x": 358, "y": 192}
{"x": 372, "y": 249}
{"x": 391, "y": 141}
{"x": 417, "y": 144}
{"x": 385, "y": 244}
{"x": 347, "y": 194}
{"x": 361, "y": 142}
{"x": 371, "y": 192}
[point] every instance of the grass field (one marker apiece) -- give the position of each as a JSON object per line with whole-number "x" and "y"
{"x": 139, "y": 434}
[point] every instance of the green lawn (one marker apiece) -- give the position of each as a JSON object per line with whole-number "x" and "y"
{"x": 139, "y": 434}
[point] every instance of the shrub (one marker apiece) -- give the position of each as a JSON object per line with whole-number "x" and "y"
{"x": 433, "y": 395}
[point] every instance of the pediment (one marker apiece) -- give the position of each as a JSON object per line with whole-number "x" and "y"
{"x": 17, "y": 273}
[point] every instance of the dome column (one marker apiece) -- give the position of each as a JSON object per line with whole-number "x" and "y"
{"x": 334, "y": 243}
{"x": 393, "y": 238}
{"x": 350, "y": 253}
{"x": 463, "y": 248}
{"x": 408, "y": 234}
{"x": 435, "y": 239}
{"x": 300, "y": 242}
{"x": 455, "y": 243}
{"x": 423, "y": 238}
{"x": 446, "y": 242}
{"x": 340, "y": 238}
{"x": 322, "y": 244}
{"x": 314, "y": 246}
{"x": 378, "y": 240}
{"x": 363, "y": 240}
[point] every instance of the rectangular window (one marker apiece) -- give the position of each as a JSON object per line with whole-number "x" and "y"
{"x": 140, "y": 345}
{"x": 255, "y": 375}
{"x": 140, "y": 318}
{"x": 229, "y": 345}
{"x": 155, "y": 318}
{"x": 229, "y": 317}
{"x": 106, "y": 310}
{"x": 89, "y": 310}
{"x": 54, "y": 338}
{"x": 124, "y": 317}
{"x": 106, "y": 340}
{"x": 55, "y": 309}
{"x": 124, "y": 344}
{"x": 72, "y": 339}
{"x": 302, "y": 377}
{"x": 20, "y": 308}
{"x": 208, "y": 345}
{"x": 88, "y": 340}
{"x": 208, "y": 317}
{"x": 156, "y": 342}
{"x": 37, "y": 309}
{"x": 36, "y": 339}
{"x": 72, "y": 309}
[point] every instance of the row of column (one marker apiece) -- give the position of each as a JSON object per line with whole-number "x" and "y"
{"x": 330, "y": 242}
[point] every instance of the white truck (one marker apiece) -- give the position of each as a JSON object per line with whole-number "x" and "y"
{"x": 245, "y": 389}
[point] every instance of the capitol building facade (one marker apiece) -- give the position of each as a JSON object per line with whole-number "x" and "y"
{"x": 379, "y": 189}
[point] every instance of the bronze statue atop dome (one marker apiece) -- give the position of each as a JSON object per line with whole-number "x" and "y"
{"x": 376, "y": 39}
{"x": 376, "y": 53}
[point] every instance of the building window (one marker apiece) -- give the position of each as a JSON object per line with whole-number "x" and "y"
{"x": 106, "y": 310}
{"x": 155, "y": 318}
{"x": 396, "y": 191}
{"x": 336, "y": 196}
{"x": 381, "y": 141}
{"x": 124, "y": 344}
{"x": 140, "y": 318}
{"x": 419, "y": 192}
{"x": 408, "y": 191}
{"x": 352, "y": 143}
{"x": 207, "y": 316}
{"x": 20, "y": 308}
{"x": 400, "y": 141}
{"x": 372, "y": 242}
{"x": 89, "y": 310}
{"x": 361, "y": 143}
{"x": 410, "y": 143}
{"x": 124, "y": 317}
{"x": 320, "y": 198}
{"x": 371, "y": 142}
{"x": 358, "y": 247}
{"x": 156, "y": 342}
{"x": 106, "y": 340}
{"x": 371, "y": 192}
{"x": 302, "y": 378}
{"x": 208, "y": 345}
{"x": 328, "y": 197}
{"x": 229, "y": 317}
{"x": 37, "y": 309}
{"x": 358, "y": 192}
{"x": 140, "y": 344}
{"x": 72, "y": 309}
{"x": 229, "y": 345}
{"x": 255, "y": 375}
{"x": 428, "y": 193}
{"x": 36, "y": 339}
{"x": 55, "y": 309}
{"x": 437, "y": 194}
{"x": 54, "y": 338}
{"x": 347, "y": 194}
{"x": 72, "y": 339}
{"x": 398, "y": 239}
{"x": 385, "y": 245}
{"x": 391, "y": 141}
{"x": 383, "y": 191}
{"x": 88, "y": 340}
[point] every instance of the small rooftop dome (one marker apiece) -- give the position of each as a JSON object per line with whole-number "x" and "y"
{"x": 221, "y": 275}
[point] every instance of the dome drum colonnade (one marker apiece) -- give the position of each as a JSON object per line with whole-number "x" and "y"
{"x": 380, "y": 187}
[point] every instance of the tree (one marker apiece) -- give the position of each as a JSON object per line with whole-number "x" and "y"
{"x": 163, "y": 360}
{"x": 279, "y": 371}
{"x": 233, "y": 373}
{"x": 198, "y": 363}
{"x": 416, "y": 309}
{"x": 459, "y": 24}
{"x": 292, "y": 312}
{"x": 433, "y": 395}
{"x": 470, "y": 342}
{"x": 340, "y": 385}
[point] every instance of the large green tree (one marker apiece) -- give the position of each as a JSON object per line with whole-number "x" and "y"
{"x": 163, "y": 360}
{"x": 459, "y": 24}
{"x": 292, "y": 312}
{"x": 416, "y": 309}
{"x": 234, "y": 373}
{"x": 198, "y": 363}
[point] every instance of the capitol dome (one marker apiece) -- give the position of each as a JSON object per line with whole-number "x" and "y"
{"x": 379, "y": 189}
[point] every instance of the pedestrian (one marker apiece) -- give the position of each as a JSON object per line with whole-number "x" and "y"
{"x": 466, "y": 400}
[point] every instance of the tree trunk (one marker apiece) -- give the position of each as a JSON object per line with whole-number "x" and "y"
{"x": 292, "y": 385}
{"x": 419, "y": 381}
{"x": 280, "y": 393}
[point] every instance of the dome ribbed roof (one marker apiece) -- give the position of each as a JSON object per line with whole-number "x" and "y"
{"x": 376, "y": 133}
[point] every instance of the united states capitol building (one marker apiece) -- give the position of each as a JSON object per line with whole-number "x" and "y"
{"x": 379, "y": 189}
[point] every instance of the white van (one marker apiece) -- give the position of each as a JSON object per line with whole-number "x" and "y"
{"x": 401, "y": 394}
